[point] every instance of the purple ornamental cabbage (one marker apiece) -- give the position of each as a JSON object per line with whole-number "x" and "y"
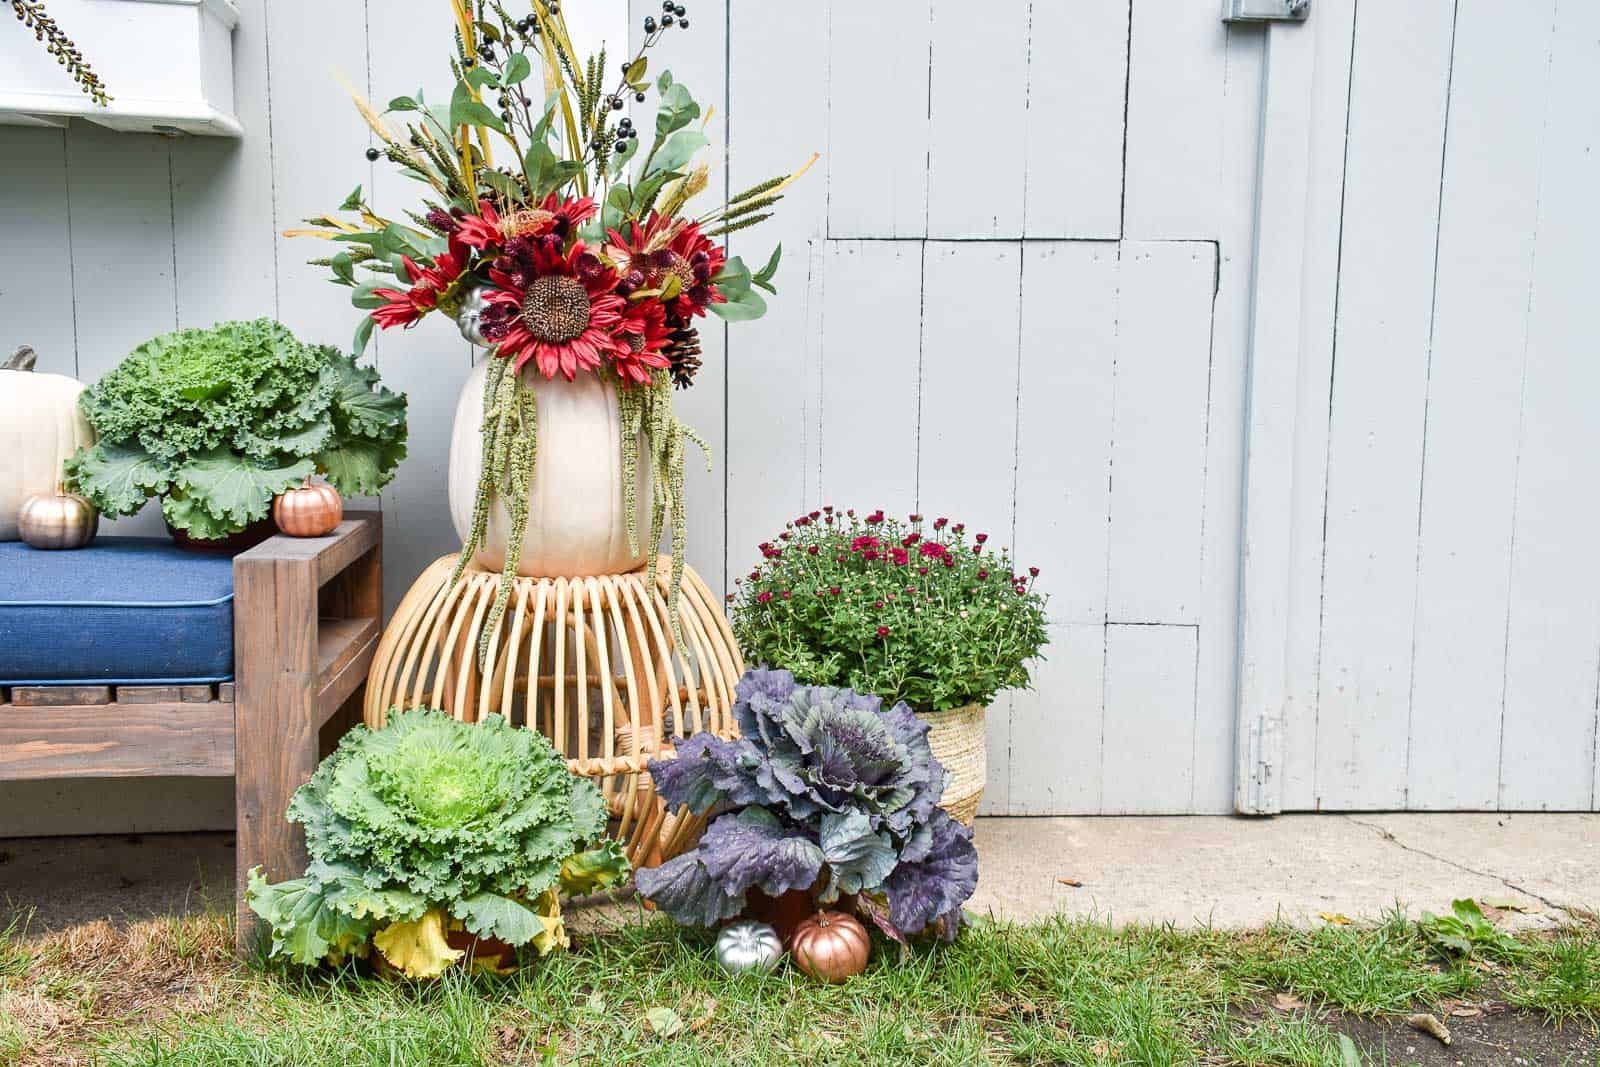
{"x": 823, "y": 784}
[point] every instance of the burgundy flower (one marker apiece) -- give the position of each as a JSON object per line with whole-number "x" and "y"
{"x": 883, "y": 631}
{"x": 870, "y": 554}
{"x": 981, "y": 538}
{"x": 940, "y": 523}
{"x": 916, "y": 518}
{"x": 862, "y": 544}
{"x": 876, "y": 516}
{"x": 910, "y": 539}
{"x": 787, "y": 594}
{"x": 811, "y": 550}
{"x": 949, "y": 561}
{"x": 900, "y": 556}
{"x": 878, "y": 605}
{"x": 1034, "y": 571}
{"x": 983, "y": 574}
{"x": 762, "y": 598}
{"x": 932, "y": 548}
{"x": 834, "y": 590}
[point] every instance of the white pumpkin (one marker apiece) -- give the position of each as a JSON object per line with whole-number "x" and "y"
{"x": 577, "y": 524}
{"x": 41, "y": 426}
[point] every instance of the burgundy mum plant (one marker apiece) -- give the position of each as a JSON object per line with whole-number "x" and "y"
{"x": 916, "y": 611}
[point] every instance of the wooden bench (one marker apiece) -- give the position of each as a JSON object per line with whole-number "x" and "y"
{"x": 307, "y": 614}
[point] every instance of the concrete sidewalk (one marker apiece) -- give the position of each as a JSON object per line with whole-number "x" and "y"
{"x": 1184, "y": 870}
{"x": 1237, "y": 872}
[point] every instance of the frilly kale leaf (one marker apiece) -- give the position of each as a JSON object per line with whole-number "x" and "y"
{"x": 824, "y": 783}
{"x": 215, "y": 419}
{"x": 431, "y": 815}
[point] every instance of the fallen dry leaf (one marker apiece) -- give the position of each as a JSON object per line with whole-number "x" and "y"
{"x": 705, "y": 1016}
{"x": 1429, "y": 1025}
{"x": 1073, "y": 882}
{"x": 1509, "y": 904}
{"x": 1287, "y": 1002}
{"x": 1335, "y": 917}
{"x": 1465, "y": 1012}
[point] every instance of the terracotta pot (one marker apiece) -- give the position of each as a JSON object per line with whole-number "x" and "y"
{"x": 785, "y": 913}
{"x": 249, "y": 537}
{"x": 577, "y": 524}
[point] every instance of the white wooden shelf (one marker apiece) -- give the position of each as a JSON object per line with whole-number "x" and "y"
{"x": 167, "y": 65}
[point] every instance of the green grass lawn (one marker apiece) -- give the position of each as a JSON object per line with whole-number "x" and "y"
{"x": 1059, "y": 992}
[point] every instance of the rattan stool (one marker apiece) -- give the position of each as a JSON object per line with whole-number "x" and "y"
{"x": 589, "y": 662}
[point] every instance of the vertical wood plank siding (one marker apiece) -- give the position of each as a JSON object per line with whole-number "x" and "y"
{"x": 1018, "y": 290}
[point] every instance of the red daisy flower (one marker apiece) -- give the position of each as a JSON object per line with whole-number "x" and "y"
{"x": 644, "y": 335}
{"x": 664, "y": 247}
{"x": 428, "y": 283}
{"x": 488, "y": 227}
{"x": 552, "y": 307}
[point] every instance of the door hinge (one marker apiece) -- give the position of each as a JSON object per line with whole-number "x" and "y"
{"x": 1265, "y": 10}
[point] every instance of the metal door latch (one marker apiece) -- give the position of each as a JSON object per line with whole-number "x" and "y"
{"x": 1265, "y": 10}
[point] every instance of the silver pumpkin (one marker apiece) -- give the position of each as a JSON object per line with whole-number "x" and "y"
{"x": 748, "y": 946}
{"x": 469, "y": 318}
{"x": 57, "y": 520}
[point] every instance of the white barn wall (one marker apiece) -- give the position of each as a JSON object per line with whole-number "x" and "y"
{"x": 1017, "y": 289}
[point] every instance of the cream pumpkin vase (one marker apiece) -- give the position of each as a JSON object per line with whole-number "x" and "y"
{"x": 577, "y": 519}
{"x": 40, "y": 427}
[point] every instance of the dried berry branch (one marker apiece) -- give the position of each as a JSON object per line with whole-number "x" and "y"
{"x": 31, "y": 13}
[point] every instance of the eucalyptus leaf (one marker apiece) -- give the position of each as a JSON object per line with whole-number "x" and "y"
{"x": 679, "y": 149}
{"x": 676, "y": 110}
{"x": 517, "y": 68}
{"x": 635, "y": 73}
{"x": 403, "y": 103}
{"x": 749, "y": 306}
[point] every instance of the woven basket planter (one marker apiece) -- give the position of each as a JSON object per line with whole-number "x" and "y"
{"x": 960, "y": 743}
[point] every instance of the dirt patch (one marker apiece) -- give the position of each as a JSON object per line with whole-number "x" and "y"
{"x": 1495, "y": 1038}
{"x": 58, "y": 882}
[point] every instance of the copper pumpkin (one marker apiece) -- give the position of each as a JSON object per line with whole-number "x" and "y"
{"x": 309, "y": 511}
{"x": 57, "y": 520}
{"x": 831, "y": 946}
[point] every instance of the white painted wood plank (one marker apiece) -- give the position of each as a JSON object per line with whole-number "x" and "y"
{"x": 318, "y": 146}
{"x": 977, "y": 113}
{"x": 876, "y": 93}
{"x": 1158, "y": 438}
{"x": 1547, "y": 757}
{"x": 1067, "y": 387}
{"x": 36, "y": 277}
{"x": 872, "y": 294}
{"x": 1330, "y": 91}
{"x": 430, "y": 361}
{"x": 697, "y": 58}
{"x": 1077, "y": 93}
{"x": 121, "y": 198}
{"x": 1486, "y": 226}
{"x": 1216, "y": 681}
{"x": 1391, "y": 203}
{"x": 1273, "y": 360}
{"x": 1055, "y": 726}
{"x": 222, "y": 198}
{"x": 967, "y": 443}
{"x": 1175, "y": 118}
{"x": 1147, "y": 760}
{"x": 774, "y": 373}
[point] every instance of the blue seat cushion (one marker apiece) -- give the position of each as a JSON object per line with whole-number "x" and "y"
{"x": 121, "y": 611}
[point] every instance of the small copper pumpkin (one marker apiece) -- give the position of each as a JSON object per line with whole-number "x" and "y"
{"x": 309, "y": 511}
{"x": 831, "y": 946}
{"x": 57, "y": 520}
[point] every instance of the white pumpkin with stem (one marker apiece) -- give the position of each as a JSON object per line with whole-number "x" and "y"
{"x": 42, "y": 426}
{"x": 577, "y": 512}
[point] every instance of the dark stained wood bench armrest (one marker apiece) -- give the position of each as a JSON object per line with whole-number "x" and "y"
{"x": 306, "y": 621}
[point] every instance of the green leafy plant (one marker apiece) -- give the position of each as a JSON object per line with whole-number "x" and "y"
{"x": 905, "y": 611}
{"x": 431, "y": 831}
{"x": 1466, "y": 932}
{"x": 218, "y": 421}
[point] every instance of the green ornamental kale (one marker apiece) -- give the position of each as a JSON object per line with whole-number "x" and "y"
{"x": 472, "y": 822}
{"x": 218, "y": 421}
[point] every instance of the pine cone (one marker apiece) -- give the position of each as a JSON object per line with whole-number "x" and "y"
{"x": 683, "y": 349}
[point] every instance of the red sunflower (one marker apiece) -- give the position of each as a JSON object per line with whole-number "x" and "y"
{"x": 664, "y": 247}
{"x": 489, "y": 227}
{"x": 552, "y": 307}
{"x": 427, "y": 284}
{"x": 643, "y": 334}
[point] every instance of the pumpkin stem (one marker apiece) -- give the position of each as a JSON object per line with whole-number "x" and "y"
{"x": 23, "y": 358}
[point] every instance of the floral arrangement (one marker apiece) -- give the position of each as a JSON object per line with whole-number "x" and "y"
{"x": 576, "y": 255}
{"x": 824, "y": 792}
{"x": 432, "y": 834}
{"x": 32, "y": 15}
{"x": 218, "y": 421}
{"x": 910, "y": 611}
